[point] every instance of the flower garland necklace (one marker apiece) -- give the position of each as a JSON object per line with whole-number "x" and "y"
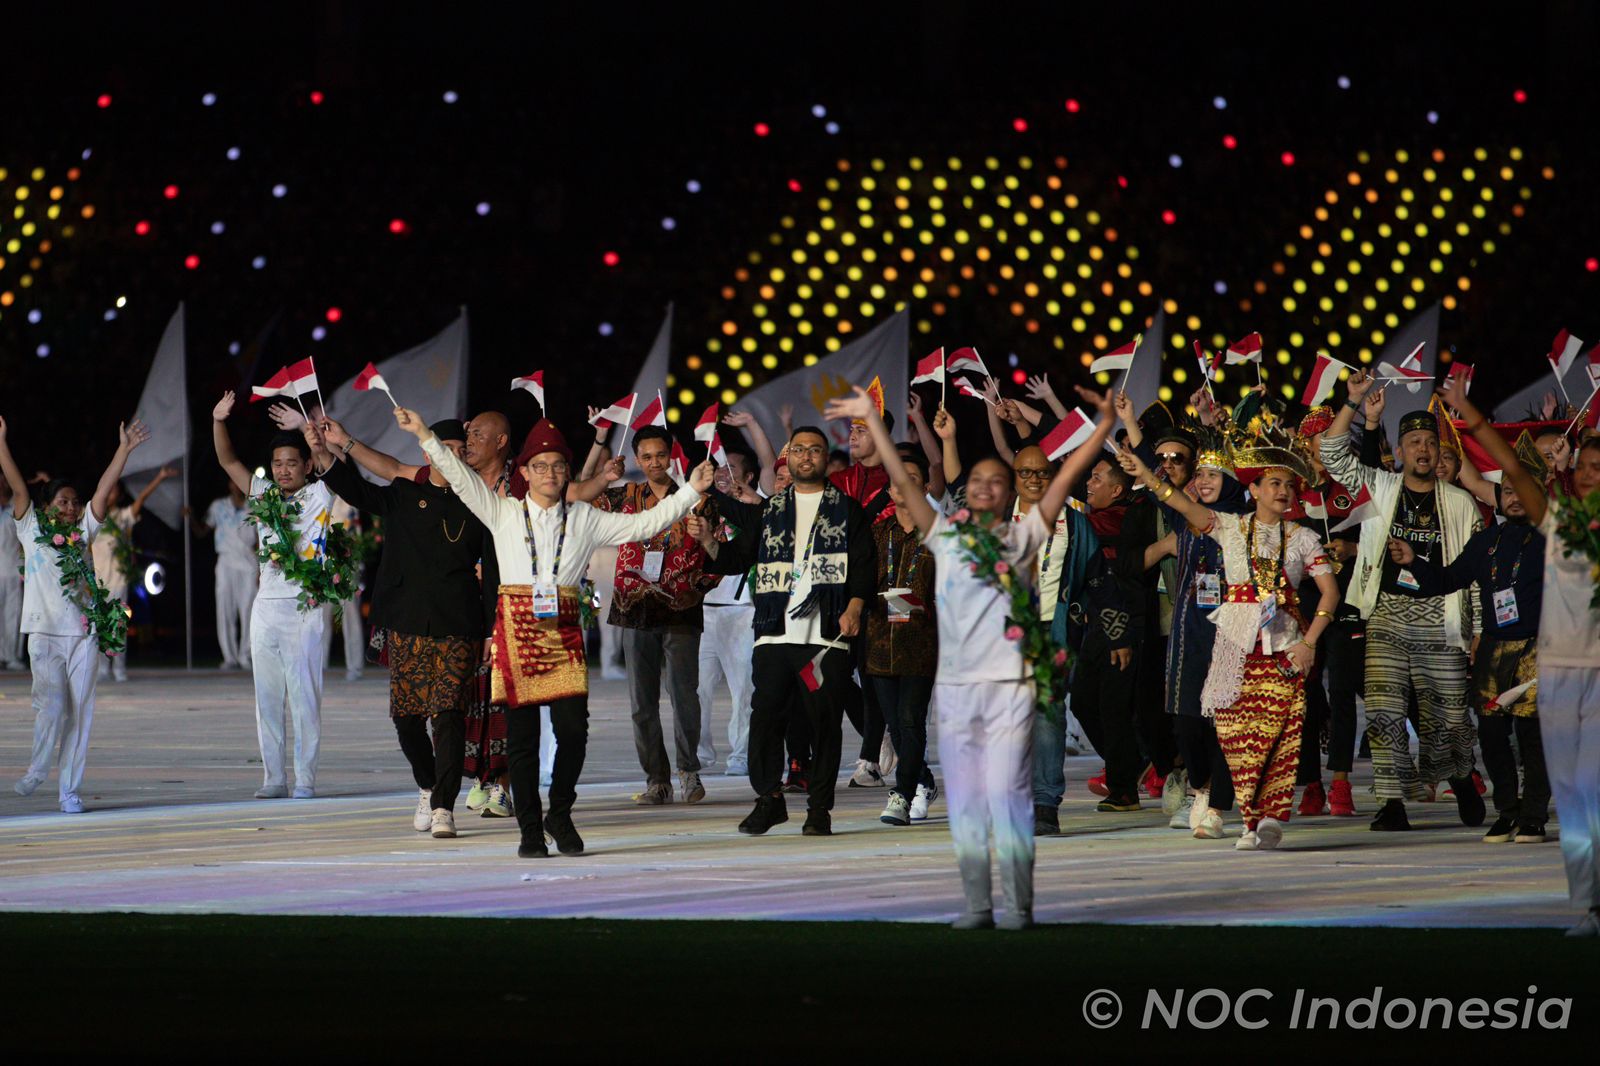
{"x": 1046, "y": 660}
{"x": 325, "y": 576}
{"x": 1578, "y": 526}
{"x": 107, "y": 617}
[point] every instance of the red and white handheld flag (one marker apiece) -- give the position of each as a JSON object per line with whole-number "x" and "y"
{"x": 1120, "y": 359}
{"x": 1312, "y": 503}
{"x": 1563, "y": 353}
{"x": 966, "y": 388}
{"x": 370, "y": 379}
{"x": 1073, "y": 431}
{"x": 706, "y": 428}
{"x": 901, "y": 601}
{"x": 1209, "y": 364}
{"x": 276, "y": 385}
{"x": 811, "y": 672}
{"x": 678, "y": 464}
{"x": 654, "y": 414}
{"x": 1409, "y": 373}
{"x": 1323, "y": 378}
{"x": 966, "y": 359}
{"x": 1594, "y": 365}
{"x": 1509, "y": 697}
{"x": 930, "y": 369}
{"x": 715, "y": 452}
{"x": 618, "y": 414}
{"x": 295, "y": 380}
{"x": 1361, "y": 509}
{"x": 1247, "y": 350}
{"x": 533, "y": 384}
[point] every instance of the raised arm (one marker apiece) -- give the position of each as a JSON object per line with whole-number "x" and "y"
{"x": 860, "y": 406}
{"x": 237, "y": 472}
{"x": 1039, "y": 388}
{"x": 746, "y": 423}
{"x": 1002, "y": 447}
{"x": 13, "y": 475}
{"x": 1196, "y": 513}
{"x": 322, "y": 459}
{"x": 613, "y": 528}
{"x": 342, "y": 478}
{"x": 589, "y": 489}
{"x": 130, "y": 436}
{"x": 136, "y": 508}
{"x": 944, "y": 426}
{"x": 381, "y": 465}
{"x": 1342, "y": 465}
{"x": 930, "y": 446}
{"x": 1130, "y": 420}
{"x": 1529, "y": 491}
{"x": 1081, "y": 460}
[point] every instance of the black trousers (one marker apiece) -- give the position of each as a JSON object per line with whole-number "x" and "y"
{"x": 905, "y": 703}
{"x": 797, "y": 738}
{"x": 436, "y": 764}
{"x": 1103, "y": 698}
{"x": 1156, "y": 738}
{"x": 1494, "y": 734}
{"x": 570, "y": 720}
{"x": 779, "y": 692}
{"x": 1344, "y": 663}
{"x": 862, "y": 706}
{"x": 1202, "y": 754}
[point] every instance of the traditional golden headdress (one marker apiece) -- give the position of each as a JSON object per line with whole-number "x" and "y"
{"x": 875, "y": 390}
{"x": 1531, "y": 458}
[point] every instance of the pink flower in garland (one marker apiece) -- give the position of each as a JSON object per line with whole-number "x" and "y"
{"x": 1061, "y": 656}
{"x": 974, "y": 567}
{"x": 1013, "y": 633}
{"x": 1002, "y": 567}
{"x": 335, "y": 579}
{"x": 58, "y": 540}
{"x": 961, "y": 515}
{"x": 1595, "y": 524}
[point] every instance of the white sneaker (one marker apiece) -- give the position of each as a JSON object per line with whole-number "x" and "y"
{"x": 304, "y": 792}
{"x": 737, "y": 769}
{"x": 422, "y": 818}
{"x": 443, "y": 824}
{"x": 498, "y": 804}
{"x": 1248, "y": 842}
{"x": 897, "y": 811}
{"x": 690, "y": 787}
{"x": 477, "y": 796}
{"x": 1270, "y": 833}
{"x": 27, "y": 785}
{"x": 1015, "y": 921}
{"x": 920, "y": 802}
{"x": 867, "y": 776}
{"x": 72, "y": 804}
{"x": 1072, "y": 744}
{"x": 1174, "y": 791}
{"x": 613, "y": 673}
{"x": 1198, "y": 809}
{"x": 1184, "y": 814}
{"x": 352, "y": 675}
{"x": 1588, "y": 926}
{"x": 1210, "y": 827}
{"x": 271, "y": 792}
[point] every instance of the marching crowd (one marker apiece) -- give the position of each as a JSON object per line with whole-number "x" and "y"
{"x": 1205, "y": 615}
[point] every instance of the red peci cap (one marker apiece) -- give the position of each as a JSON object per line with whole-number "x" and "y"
{"x": 543, "y": 437}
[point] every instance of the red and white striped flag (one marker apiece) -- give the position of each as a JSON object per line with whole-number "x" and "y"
{"x": 1070, "y": 434}
{"x": 966, "y": 388}
{"x": 1361, "y": 509}
{"x": 654, "y": 414}
{"x": 966, "y": 359}
{"x": 706, "y": 428}
{"x": 1464, "y": 372}
{"x": 1509, "y": 697}
{"x": 715, "y": 452}
{"x": 1209, "y": 364}
{"x": 1409, "y": 372}
{"x": 811, "y": 672}
{"x": 1247, "y": 350}
{"x": 617, "y": 414}
{"x": 1120, "y": 359}
{"x": 1563, "y": 353}
{"x": 1312, "y": 503}
{"x": 370, "y": 379}
{"x": 533, "y": 384}
{"x": 295, "y": 380}
{"x": 678, "y": 464}
{"x": 1324, "y": 376}
{"x": 930, "y": 369}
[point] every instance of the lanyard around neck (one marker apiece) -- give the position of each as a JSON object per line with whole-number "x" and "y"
{"x": 533, "y": 547}
{"x": 1494, "y": 557}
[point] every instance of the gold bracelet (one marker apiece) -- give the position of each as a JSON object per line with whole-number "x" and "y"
{"x": 1325, "y": 614}
{"x": 1312, "y": 648}
{"x": 1168, "y": 496}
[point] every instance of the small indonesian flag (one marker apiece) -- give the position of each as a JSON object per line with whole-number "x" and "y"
{"x": 296, "y": 380}
{"x": 1464, "y": 372}
{"x": 370, "y": 379}
{"x": 715, "y": 452}
{"x": 678, "y": 465}
{"x": 901, "y": 601}
{"x": 1070, "y": 434}
{"x": 930, "y": 369}
{"x": 1508, "y": 698}
{"x": 966, "y": 359}
{"x": 1594, "y": 365}
{"x": 706, "y": 428}
{"x": 811, "y": 672}
{"x": 966, "y": 388}
{"x": 1323, "y": 378}
{"x": 1209, "y": 364}
{"x": 1247, "y": 350}
{"x": 533, "y": 383}
{"x": 654, "y": 414}
{"x": 1312, "y": 503}
{"x": 1563, "y": 353}
{"x": 1121, "y": 359}
{"x": 1409, "y": 372}
{"x": 1361, "y": 509}
{"x": 617, "y": 414}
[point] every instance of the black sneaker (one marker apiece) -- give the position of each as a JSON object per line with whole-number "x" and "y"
{"x": 818, "y": 824}
{"x": 1468, "y": 803}
{"x": 1118, "y": 805}
{"x": 1391, "y": 819}
{"x": 1530, "y": 833}
{"x": 1046, "y": 821}
{"x": 533, "y": 849}
{"x": 1502, "y": 831}
{"x": 769, "y": 811}
{"x": 564, "y": 833}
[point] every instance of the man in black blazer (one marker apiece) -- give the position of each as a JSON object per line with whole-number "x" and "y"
{"x": 429, "y": 600}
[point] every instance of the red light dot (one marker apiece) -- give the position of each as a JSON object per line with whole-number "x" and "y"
{"x": 1020, "y": 125}
{"x": 334, "y": 314}
{"x": 170, "y": 192}
{"x": 397, "y": 225}
{"x": 794, "y": 184}
{"x": 1072, "y": 107}
{"x": 1287, "y": 159}
{"x": 1229, "y": 141}
{"x": 1169, "y": 216}
{"x": 103, "y": 100}
{"x": 1520, "y": 96}
{"x": 141, "y": 227}
{"x": 1019, "y": 376}
{"x": 316, "y": 96}
{"x": 611, "y": 259}
{"x": 1122, "y": 182}
{"x": 192, "y": 262}
{"x": 1591, "y": 264}
{"x": 762, "y": 129}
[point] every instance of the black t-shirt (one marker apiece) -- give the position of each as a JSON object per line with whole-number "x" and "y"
{"x": 1416, "y": 520}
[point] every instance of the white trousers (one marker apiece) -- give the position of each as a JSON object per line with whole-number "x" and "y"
{"x": 235, "y": 593}
{"x": 986, "y": 753}
{"x": 63, "y": 706}
{"x": 354, "y": 630}
{"x": 286, "y": 644}
{"x": 10, "y": 618}
{"x": 1569, "y": 721}
{"x": 727, "y": 644}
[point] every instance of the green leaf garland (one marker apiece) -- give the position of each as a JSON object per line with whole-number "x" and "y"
{"x": 102, "y": 613}
{"x": 324, "y": 578}
{"x": 1579, "y": 529}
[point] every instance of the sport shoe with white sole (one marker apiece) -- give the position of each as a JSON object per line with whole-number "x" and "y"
{"x": 1248, "y": 842}
{"x": 974, "y": 920}
{"x": 737, "y": 769}
{"x": 689, "y": 787}
{"x": 897, "y": 811}
{"x": 477, "y": 796}
{"x": 922, "y": 800}
{"x": 301, "y": 792}
{"x": 28, "y": 784}
{"x": 271, "y": 792}
{"x": 657, "y": 794}
{"x": 1269, "y": 834}
{"x": 1210, "y": 827}
{"x": 499, "y": 805}
{"x": 422, "y": 817}
{"x": 72, "y": 804}
{"x": 1198, "y": 809}
{"x": 1183, "y": 815}
{"x": 1015, "y": 922}
{"x": 1173, "y": 792}
{"x": 867, "y": 776}
{"x": 443, "y": 824}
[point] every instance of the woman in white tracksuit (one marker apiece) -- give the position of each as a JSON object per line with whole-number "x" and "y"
{"x": 983, "y": 690}
{"x": 61, "y": 644}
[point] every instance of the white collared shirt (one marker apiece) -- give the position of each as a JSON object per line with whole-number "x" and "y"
{"x": 45, "y": 606}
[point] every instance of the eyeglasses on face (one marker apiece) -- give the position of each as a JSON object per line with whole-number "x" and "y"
{"x": 541, "y": 469}
{"x": 1032, "y": 474}
{"x": 1173, "y": 458}
{"x": 802, "y": 450}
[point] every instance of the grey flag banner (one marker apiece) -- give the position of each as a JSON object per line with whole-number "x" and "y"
{"x": 164, "y": 406}
{"x": 1144, "y": 376}
{"x": 652, "y": 377}
{"x": 1399, "y": 399}
{"x": 431, "y": 379}
{"x": 883, "y": 352}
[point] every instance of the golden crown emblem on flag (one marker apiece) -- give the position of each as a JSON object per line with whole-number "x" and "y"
{"x": 829, "y": 387}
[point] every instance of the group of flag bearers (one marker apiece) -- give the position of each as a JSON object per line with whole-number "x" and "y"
{"x": 1451, "y": 608}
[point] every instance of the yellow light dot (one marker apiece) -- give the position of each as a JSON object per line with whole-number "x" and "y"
{"x": 686, "y": 396}
{"x": 729, "y": 397}
{"x": 770, "y": 362}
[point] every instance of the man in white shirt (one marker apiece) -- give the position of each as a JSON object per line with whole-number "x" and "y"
{"x": 726, "y": 642}
{"x": 233, "y": 539}
{"x": 10, "y": 587}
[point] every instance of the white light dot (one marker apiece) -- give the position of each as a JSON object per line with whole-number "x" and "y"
{"x": 111, "y": 313}
{"x": 42, "y": 351}
{"x": 483, "y": 207}
{"x": 669, "y": 223}
{"x": 819, "y": 111}
{"x": 233, "y": 153}
{"x": 1175, "y": 160}
{"x": 832, "y": 127}
{"x": 1344, "y": 82}
{"x": 1219, "y": 102}
{"x": 450, "y": 96}
{"x": 35, "y": 315}
{"x": 1012, "y": 358}
{"x": 692, "y": 186}
{"x": 258, "y": 262}
{"x": 261, "y": 472}
{"x": 208, "y": 99}
{"x": 87, "y": 152}
{"x": 1220, "y": 288}
{"x": 217, "y": 227}
{"x": 605, "y": 329}
{"x": 319, "y": 332}
{"x": 1433, "y": 118}
{"x": 122, "y": 301}
{"x": 280, "y": 191}
{"x": 233, "y": 349}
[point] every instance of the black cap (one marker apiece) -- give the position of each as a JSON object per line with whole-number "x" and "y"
{"x": 449, "y": 429}
{"x": 1419, "y": 420}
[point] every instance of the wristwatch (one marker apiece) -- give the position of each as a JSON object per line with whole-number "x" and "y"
{"x": 348, "y": 444}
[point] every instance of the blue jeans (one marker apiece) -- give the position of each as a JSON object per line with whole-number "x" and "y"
{"x": 1049, "y": 759}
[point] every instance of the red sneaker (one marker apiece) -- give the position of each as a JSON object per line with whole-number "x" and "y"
{"x": 1097, "y": 784}
{"x": 1152, "y": 783}
{"x": 1312, "y": 800}
{"x": 1340, "y": 801}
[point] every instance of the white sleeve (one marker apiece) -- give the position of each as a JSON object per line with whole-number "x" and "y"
{"x": 1306, "y": 556}
{"x": 466, "y": 483}
{"x": 1025, "y": 538}
{"x": 258, "y": 485}
{"x": 611, "y": 528}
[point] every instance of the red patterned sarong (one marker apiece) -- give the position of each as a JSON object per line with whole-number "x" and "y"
{"x": 537, "y": 660}
{"x": 1260, "y": 738}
